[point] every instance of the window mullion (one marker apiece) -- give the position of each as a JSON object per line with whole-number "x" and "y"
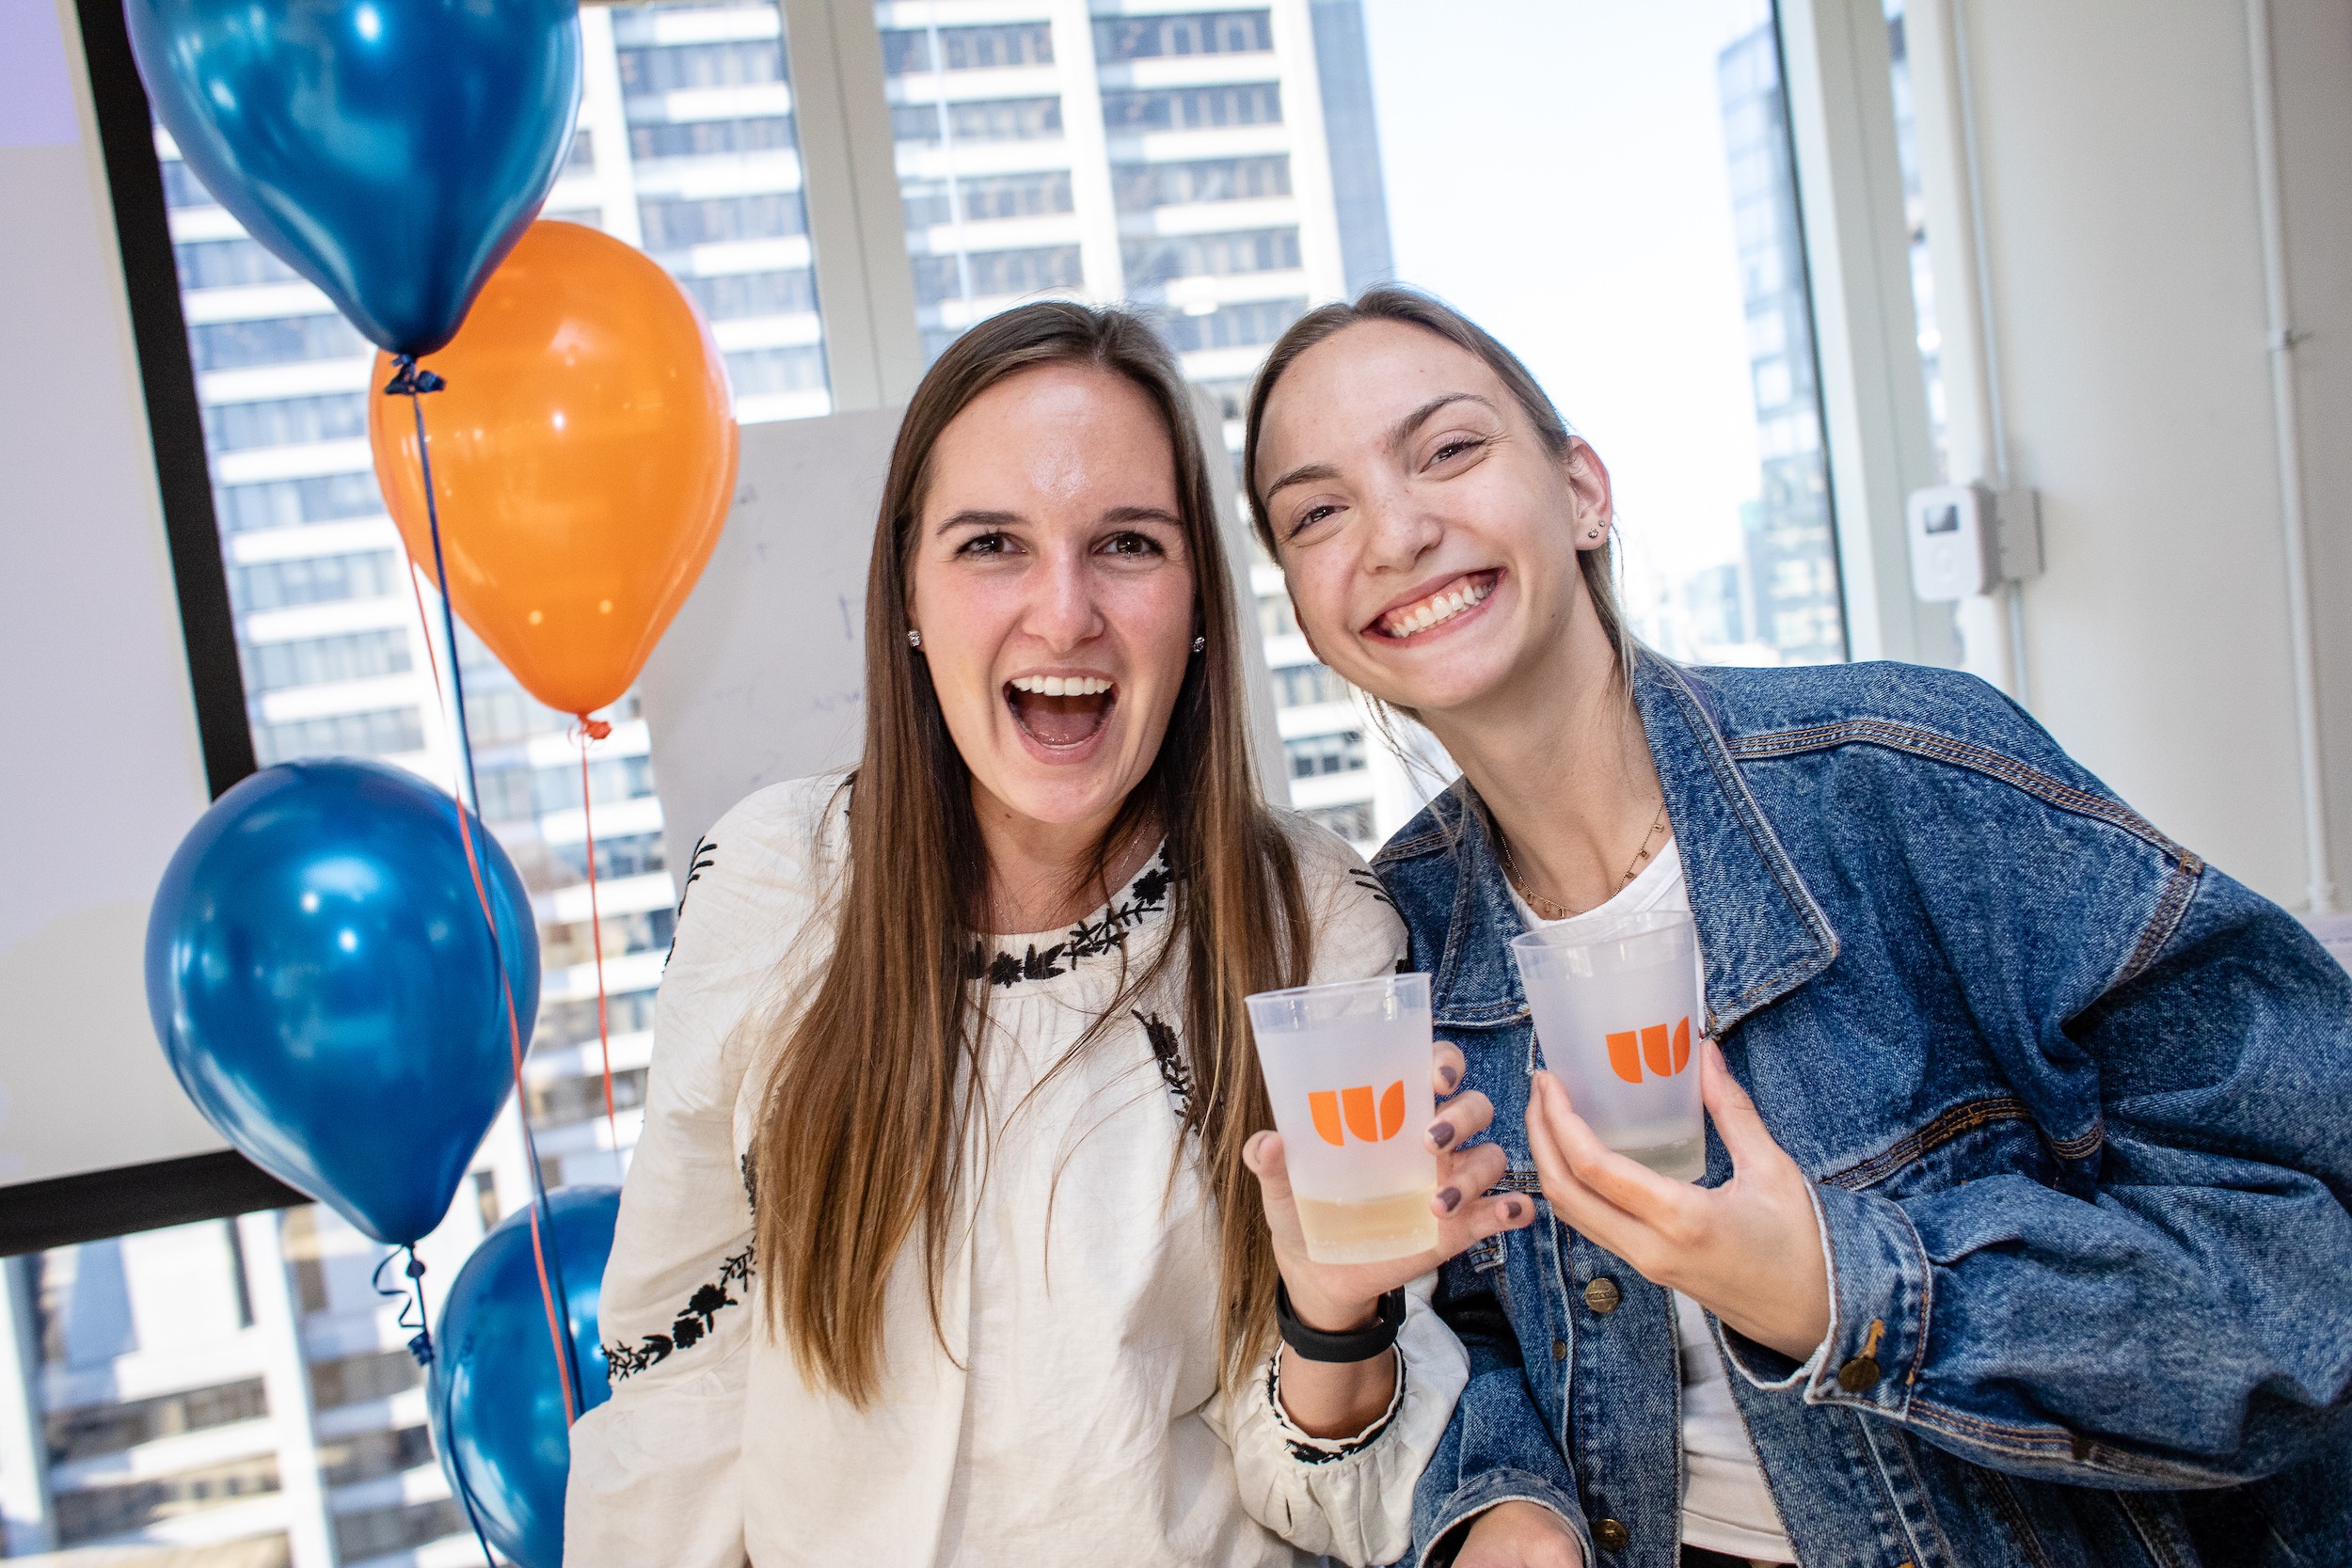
{"x": 1841, "y": 112}
{"x": 848, "y": 161}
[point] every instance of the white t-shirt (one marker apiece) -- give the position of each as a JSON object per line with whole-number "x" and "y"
{"x": 1075, "y": 1416}
{"x": 1726, "y": 1505}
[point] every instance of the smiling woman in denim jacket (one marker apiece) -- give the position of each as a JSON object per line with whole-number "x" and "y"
{"x": 2023, "y": 1237}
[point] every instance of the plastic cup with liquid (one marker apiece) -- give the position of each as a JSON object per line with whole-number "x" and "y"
{"x": 1618, "y": 1017}
{"x": 1347, "y": 1069}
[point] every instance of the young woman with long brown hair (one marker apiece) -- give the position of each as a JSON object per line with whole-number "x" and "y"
{"x": 941, "y": 1244}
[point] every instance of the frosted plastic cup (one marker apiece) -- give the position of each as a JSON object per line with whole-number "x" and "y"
{"x": 1347, "y": 1068}
{"x": 1616, "y": 1005}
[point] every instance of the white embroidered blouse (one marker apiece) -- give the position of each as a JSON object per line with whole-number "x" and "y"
{"x": 1074, "y": 1417}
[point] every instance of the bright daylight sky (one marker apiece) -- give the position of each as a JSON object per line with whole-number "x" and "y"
{"x": 1556, "y": 168}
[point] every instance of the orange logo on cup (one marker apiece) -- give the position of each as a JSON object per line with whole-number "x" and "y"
{"x": 1666, "y": 1055}
{"x": 1353, "y": 1106}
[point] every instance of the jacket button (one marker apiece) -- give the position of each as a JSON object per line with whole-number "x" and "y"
{"x": 1602, "y": 1295}
{"x": 1559, "y": 1350}
{"x": 1610, "y": 1536}
{"x": 1858, "y": 1375}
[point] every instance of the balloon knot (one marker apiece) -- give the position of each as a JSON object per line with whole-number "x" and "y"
{"x": 422, "y": 1347}
{"x": 594, "y": 729}
{"x": 411, "y": 380}
{"x": 416, "y": 1267}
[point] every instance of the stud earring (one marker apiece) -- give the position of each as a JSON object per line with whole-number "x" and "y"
{"x": 914, "y": 638}
{"x": 1199, "y": 645}
{"x": 1592, "y": 534}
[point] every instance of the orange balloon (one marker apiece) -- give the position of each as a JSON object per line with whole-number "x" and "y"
{"x": 584, "y": 458}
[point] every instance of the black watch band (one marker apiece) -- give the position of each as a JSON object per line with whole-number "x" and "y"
{"x": 1360, "y": 1345}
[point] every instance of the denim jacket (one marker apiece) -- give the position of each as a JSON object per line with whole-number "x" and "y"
{"x": 2077, "y": 1109}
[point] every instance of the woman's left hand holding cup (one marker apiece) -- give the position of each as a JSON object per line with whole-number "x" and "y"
{"x": 1338, "y": 1400}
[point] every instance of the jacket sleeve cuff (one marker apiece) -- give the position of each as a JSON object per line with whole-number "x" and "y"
{"x": 1881, "y": 1297}
{"x": 1487, "y": 1489}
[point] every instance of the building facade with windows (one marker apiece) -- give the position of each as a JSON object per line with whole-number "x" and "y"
{"x": 1217, "y": 167}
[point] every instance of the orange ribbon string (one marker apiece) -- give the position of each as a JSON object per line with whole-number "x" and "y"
{"x": 514, "y": 1031}
{"x": 596, "y": 729}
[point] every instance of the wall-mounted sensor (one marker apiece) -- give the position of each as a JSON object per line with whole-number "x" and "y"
{"x": 1966, "y": 538}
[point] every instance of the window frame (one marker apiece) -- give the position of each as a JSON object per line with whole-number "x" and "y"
{"x": 1834, "y": 70}
{"x": 93, "y": 1205}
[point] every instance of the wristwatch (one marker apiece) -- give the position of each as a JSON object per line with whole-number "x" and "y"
{"x": 1361, "y": 1345}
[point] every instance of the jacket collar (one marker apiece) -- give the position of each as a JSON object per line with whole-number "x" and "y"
{"x": 1762, "y": 934}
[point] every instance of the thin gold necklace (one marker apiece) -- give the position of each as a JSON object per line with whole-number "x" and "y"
{"x": 1550, "y": 911}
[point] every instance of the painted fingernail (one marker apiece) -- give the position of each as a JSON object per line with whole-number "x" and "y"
{"x": 1441, "y": 1133}
{"x": 1510, "y": 1209}
{"x": 1447, "y": 1076}
{"x": 1450, "y": 1199}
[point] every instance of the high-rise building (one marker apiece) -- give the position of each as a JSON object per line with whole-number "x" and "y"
{"x": 1217, "y": 167}
{"x": 238, "y": 1390}
{"x": 1792, "y": 552}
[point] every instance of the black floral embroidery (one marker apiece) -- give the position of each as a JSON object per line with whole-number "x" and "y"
{"x": 1370, "y": 884}
{"x": 1004, "y": 969}
{"x": 1151, "y": 888}
{"x": 751, "y": 1190}
{"x": 1170, "y": 1055}
{"x": 694, "y": 1323}
{"x": 706, "y": 855}
{"x": 1146, "y": 895}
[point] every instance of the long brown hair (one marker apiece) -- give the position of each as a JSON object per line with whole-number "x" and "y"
{"x": 870, "y": 1097}
{"x": 1394, "y": 302}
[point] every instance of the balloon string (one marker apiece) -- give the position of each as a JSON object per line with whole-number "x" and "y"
{"x": 596, "y": 923}
{"x": 415, "y": 382}
{"x": 567, "y": 1370}
{"x": 411, "y": 1299}
{"x": 420, "y": 1346}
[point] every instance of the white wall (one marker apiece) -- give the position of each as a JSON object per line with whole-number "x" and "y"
{"x": 2129, "y": 371}
{"x": 101, "y": 774}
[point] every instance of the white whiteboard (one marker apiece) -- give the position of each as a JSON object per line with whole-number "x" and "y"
{"x": 762, "y": 676}
{"x": 99, "y": 768}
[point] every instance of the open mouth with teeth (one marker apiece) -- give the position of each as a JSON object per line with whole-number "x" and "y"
{"x": 1060, "y": 712}
{"x": 1455, "y": 600}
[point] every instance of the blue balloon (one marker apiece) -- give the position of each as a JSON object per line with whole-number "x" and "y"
{"x": 320, "y": 974}
{"x": 498, "y": 1407}
{"x": 391, "y": 151}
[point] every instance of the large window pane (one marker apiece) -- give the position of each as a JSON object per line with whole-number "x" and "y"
{"x": 1610, "y": 188}
{"x": 159, "y": 1422}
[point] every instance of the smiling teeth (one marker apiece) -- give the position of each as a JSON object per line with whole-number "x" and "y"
{"x": 1061, "y": 686}
{"x": 1437, "y": 608}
